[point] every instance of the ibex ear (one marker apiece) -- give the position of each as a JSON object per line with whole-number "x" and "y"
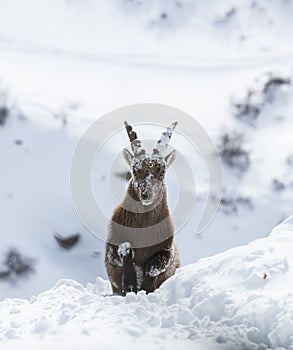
{"x": 127, "y": 156}
{"x": 169, "y": 159}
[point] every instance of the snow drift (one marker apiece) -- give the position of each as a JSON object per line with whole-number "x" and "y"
{"x": 240, "y": 299}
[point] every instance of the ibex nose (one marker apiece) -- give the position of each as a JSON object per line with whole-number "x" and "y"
{"x": 144, "y": 195}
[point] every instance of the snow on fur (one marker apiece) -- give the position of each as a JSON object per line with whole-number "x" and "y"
{"x": 238, "y": 299}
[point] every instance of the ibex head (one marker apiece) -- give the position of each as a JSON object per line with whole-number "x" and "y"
{"x": 148, "y": 170}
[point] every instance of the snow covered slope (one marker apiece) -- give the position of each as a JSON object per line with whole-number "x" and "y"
{"x": 65, "y": 63}
{"x": 240, "y": 299}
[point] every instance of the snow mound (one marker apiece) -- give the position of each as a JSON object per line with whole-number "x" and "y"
{"x": 239, "y": 299}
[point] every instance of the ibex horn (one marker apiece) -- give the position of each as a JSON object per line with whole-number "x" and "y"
{"x": 135, "y": 143}
{"x": 163, "y": 142}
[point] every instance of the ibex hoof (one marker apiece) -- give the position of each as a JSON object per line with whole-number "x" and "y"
{"x": 129, "y": 289}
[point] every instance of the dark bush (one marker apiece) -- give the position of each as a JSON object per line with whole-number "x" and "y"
{"x": 4, "y": 104}
{"x": 289, "y": 160}
{"x": 266, "y": 90}
{"x": 230, "y": 204}
{"x": 272, "y": 85}
{"x": 227, "y": 16}
{"x": 232, "y": 152}
{"x": 247, "y": 112}
{"x": 278, "y": 185}
{"x": 16, "y": 265}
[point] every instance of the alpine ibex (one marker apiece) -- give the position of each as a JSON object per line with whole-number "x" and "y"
{"x": 140, "y": 250}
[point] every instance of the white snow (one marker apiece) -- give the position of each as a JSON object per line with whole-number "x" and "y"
{"x": 65, "y": 63}
{"x": 220, "y": 302}
{"x": 124, "y": 249}
{"x": 155, "y": 271}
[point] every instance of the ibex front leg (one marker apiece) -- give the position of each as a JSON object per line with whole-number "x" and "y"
{"x": 157, "y": 265}
{"x": 129, "y": 280}
{"x": 120, "y": 268}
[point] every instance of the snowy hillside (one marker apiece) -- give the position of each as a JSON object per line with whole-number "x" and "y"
{"x": 65, "y": 63}
{"x": 240, "y": 299}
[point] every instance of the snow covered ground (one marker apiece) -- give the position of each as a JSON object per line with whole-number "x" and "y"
{"x": 239, "y": 299}
{"x": 66, "y": 63}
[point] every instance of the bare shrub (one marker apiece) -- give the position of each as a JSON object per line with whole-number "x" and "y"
{"x": 4, "y": 103}
{"x": 16, "y": 265}
{"x": 65, "y": 112}
{"x": 226, "y": 16}
{"x": 278, "y": 185}
{"x": 272, "y": 86}
{"x": 232, "y": 151}
{"x": 289, "y": 160}
{"x": 267, "y": 89}
{"x": 230, "y": 204}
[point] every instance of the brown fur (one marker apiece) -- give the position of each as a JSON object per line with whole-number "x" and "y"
{"x": 149, "y": 231}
